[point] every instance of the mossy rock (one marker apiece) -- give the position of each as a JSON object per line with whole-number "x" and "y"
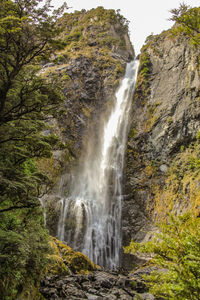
{"x": 64, "y": 260}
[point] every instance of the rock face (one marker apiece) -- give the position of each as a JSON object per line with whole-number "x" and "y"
{"x": 161, "y": 173}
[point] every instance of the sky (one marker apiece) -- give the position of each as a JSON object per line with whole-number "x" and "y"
{"x": 145, "y": 16}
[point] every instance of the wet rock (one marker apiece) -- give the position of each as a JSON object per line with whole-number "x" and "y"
{"x": 98, "y": 285}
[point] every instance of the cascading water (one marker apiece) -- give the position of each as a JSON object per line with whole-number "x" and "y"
{"x": 90, "y": 218}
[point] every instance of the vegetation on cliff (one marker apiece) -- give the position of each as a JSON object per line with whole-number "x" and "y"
{"x": 181, "y": 189}
{"x": 96, "y": 35}
{"x": 188, "y": 22}
{"x": 167, "y": 157}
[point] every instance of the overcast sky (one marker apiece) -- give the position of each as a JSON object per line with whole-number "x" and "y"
{"x": 145, "y": 16}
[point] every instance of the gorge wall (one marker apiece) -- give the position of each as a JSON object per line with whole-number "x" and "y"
{"x": 162, "y": 159}
{"x": 163, "y": 152}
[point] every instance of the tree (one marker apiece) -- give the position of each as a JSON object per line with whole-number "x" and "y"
{"x": 188, "y": 21}
{"x": 23, "y": 252}
{"x": 28, "y": 35}
{"x": 176, "y": 251}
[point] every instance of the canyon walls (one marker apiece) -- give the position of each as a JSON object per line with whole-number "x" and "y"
{"x": 162, "y": 160}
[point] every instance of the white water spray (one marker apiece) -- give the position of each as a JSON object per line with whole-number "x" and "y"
{"x": 90, "y": 218}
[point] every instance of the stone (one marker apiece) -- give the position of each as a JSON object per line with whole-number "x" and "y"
{"x": 98, "y": 285}
{"x": 164, "y": 168}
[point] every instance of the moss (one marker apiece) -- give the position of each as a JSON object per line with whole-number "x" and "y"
{"x": 87, "y": 111}
{"x": 64, "y": 260}
{"x": 66, "y": 77}
{"x": 198, "y": 136}
{"x": 119, "y": 71}
{"x": 145, "y": 64}
{"x": 61, "y": 59}
{"x": 110, "y": 41}
{"x": 169, "y": 120}
{"x": 73, "y": 37}
{"x": 132, "y": 133}
{"x": 151, "y": 169}
{"x": 31, "y": 292}
{"x": 144, "y": 76}
{"x": 48, "y": 166}
{"x": 151, "y": 117}
{"x": 181, "y": 189}
{"x": 56, "y": 265}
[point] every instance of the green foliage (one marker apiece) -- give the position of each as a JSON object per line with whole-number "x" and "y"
{"x": 66, "y": 77}
{"x": 73, "y": 37}
{"x": 198, "y": 136}
{"x": 27, "y": 37}
{"x": 110, "y": 41}
{"x": 176, "y": 253}
{"x": 188, "y": 20}
{"x": 193, "y": 163}
{"x": 23, "y": 251}
{"x": 132, "y": 133}
{"x": 145, "y": 64}
{"x": 144, "y": 75}
{"x": 61, "y": 59}
{"x": 107, "y": 16}
{"x": 119, "y": 70}
{"x": 91, "y": 29}
{"x": 182, "y": 148}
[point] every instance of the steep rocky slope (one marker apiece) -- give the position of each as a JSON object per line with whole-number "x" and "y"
{"x": 163, "y": 153}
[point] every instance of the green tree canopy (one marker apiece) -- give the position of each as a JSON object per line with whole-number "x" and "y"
{"x": 188, "y": 21}
{"x": 28, "y": 36}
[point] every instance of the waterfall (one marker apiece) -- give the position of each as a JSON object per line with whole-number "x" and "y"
{"x": 90, "y": 218}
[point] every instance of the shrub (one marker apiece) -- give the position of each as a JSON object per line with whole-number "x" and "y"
{"x": 176, "y": 253}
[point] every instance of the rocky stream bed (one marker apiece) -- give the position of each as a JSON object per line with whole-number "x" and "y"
{"x": 97, "y": 285}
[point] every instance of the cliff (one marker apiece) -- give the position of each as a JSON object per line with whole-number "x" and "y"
{"x": 96, "y": 50}
{"x": 162, "y": 159}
